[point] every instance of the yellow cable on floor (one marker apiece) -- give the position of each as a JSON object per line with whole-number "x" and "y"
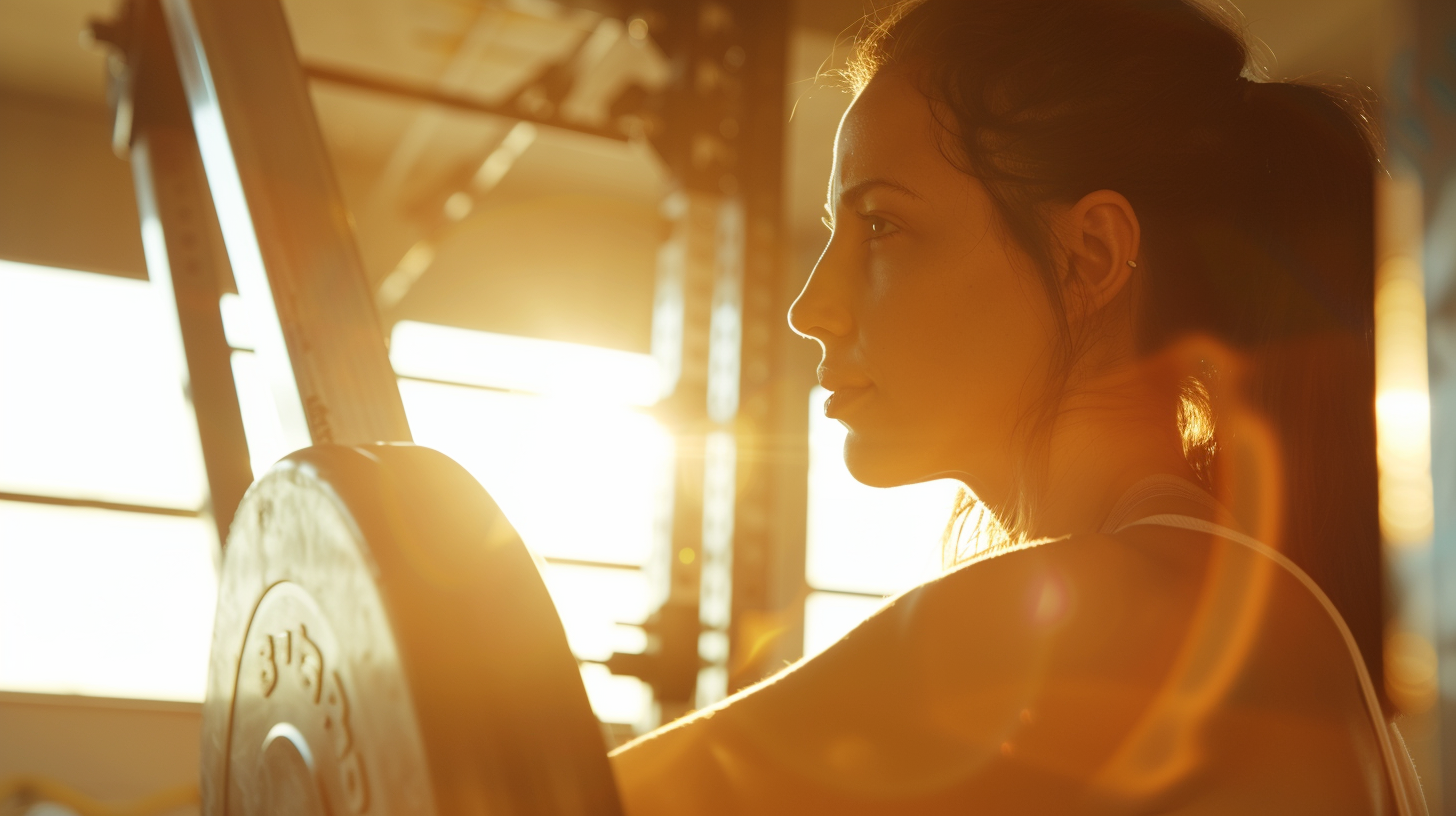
{"x": 41, "y": 789}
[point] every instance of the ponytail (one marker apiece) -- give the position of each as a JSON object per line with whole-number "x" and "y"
{"x": 1306, "y": 320}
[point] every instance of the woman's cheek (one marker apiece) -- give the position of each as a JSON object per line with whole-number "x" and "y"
{"x": 883, "y": 273}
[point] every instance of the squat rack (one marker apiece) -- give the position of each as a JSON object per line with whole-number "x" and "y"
{"x": 232, "y": 177}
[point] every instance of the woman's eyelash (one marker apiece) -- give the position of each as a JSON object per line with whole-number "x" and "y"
{"x": 878, "y": 225}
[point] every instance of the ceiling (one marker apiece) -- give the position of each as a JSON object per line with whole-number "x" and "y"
{"x": 563, "y": 246}
{"x": 575, "y": 218}
{"x": 41, "y": 50}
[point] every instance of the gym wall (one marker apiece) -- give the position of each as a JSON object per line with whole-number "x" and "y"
{"x": 65, "y": 199}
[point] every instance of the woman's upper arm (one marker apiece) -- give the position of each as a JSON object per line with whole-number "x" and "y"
{"x": 912, "y": 703}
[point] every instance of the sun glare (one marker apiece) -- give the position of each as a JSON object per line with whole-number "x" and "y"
{"x": 552, "y": 432}
{"x": 577, "y": 481}
{"x": 1403, "y": 404}
{"x": 104, "y": 603}
{"x": 267, "y": 442}
{"x": 866, "y": 539}
{"x": 95, "y": 601}
{"x": 120, "y": 603}
{"x": 512, "y": 363}
{"x": 864, "y": 543}
{"x": 92, "y": 405}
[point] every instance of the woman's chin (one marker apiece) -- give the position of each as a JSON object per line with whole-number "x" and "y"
{"x": 879, "y": 464}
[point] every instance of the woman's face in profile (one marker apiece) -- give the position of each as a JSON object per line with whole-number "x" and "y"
{"x": 934, "y": 329}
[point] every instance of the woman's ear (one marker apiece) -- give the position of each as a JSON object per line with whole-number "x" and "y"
{"x": 1102, "y": 238}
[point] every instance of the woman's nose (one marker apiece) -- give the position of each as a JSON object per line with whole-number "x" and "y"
{"x": 821, "y": 312}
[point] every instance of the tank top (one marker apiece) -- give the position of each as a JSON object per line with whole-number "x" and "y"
{"x": 1151, "y": 755}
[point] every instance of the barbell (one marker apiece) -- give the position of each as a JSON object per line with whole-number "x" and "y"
{"x": 384, "y": 644}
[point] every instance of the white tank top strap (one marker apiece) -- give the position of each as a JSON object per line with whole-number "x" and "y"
{"x": 1405, "y": 786}
{"x": 1156, "y": 486}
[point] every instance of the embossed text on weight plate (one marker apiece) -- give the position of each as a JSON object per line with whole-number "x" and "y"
{"x": 303, "y": 663}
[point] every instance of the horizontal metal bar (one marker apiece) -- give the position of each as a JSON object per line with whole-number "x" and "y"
{"x": 577, "y": 562}
{"x": 420, "y": 93}
{"x": 177, "y": 511}
{"x": 641, "y": 409}
{"x": 66, "y": 700}
{"x": 854, "y": 593}
{"x": 472, "y": 386}
{"x": 62, "y": 501}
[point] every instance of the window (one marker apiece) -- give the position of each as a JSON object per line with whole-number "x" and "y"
{"x": 107, "y": 579}
{"x": 864, "y": 544}
{"x": 107, "y": 575}
{"x": 558, "y": 435}
{"x": 556, "y": 432}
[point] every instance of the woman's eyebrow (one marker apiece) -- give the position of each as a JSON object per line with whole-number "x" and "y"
{"x": 857, "y": 191}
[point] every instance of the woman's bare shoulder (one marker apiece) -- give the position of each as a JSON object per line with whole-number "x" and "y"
{"x": 1092, "y": 578}
{"x": 1006, "y": 654}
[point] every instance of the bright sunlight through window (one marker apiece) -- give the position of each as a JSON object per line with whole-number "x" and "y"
{"x": 553, "y": 431}
{"x": 120, "y": 601}
{"x": 104, "y": 603}
{"x": 97, "y": 601}
{"x": 92, "y": 404}
{"x": 865, "y": 544}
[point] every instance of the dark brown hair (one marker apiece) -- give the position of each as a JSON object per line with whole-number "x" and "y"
{"x": 1256, "y": 201}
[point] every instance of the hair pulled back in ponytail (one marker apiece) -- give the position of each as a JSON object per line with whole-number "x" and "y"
{"x": 1256, "y": 203}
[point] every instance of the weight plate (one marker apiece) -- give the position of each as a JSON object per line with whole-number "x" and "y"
{"x": 384, "y": 644}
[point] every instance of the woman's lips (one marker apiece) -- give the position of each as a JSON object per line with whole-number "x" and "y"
{"x": 843, "y": 400}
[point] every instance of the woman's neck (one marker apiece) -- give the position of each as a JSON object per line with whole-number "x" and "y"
{"x": 1107, "y": 437}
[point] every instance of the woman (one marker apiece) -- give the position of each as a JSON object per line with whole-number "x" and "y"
{"x": 1124, "y": 293}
